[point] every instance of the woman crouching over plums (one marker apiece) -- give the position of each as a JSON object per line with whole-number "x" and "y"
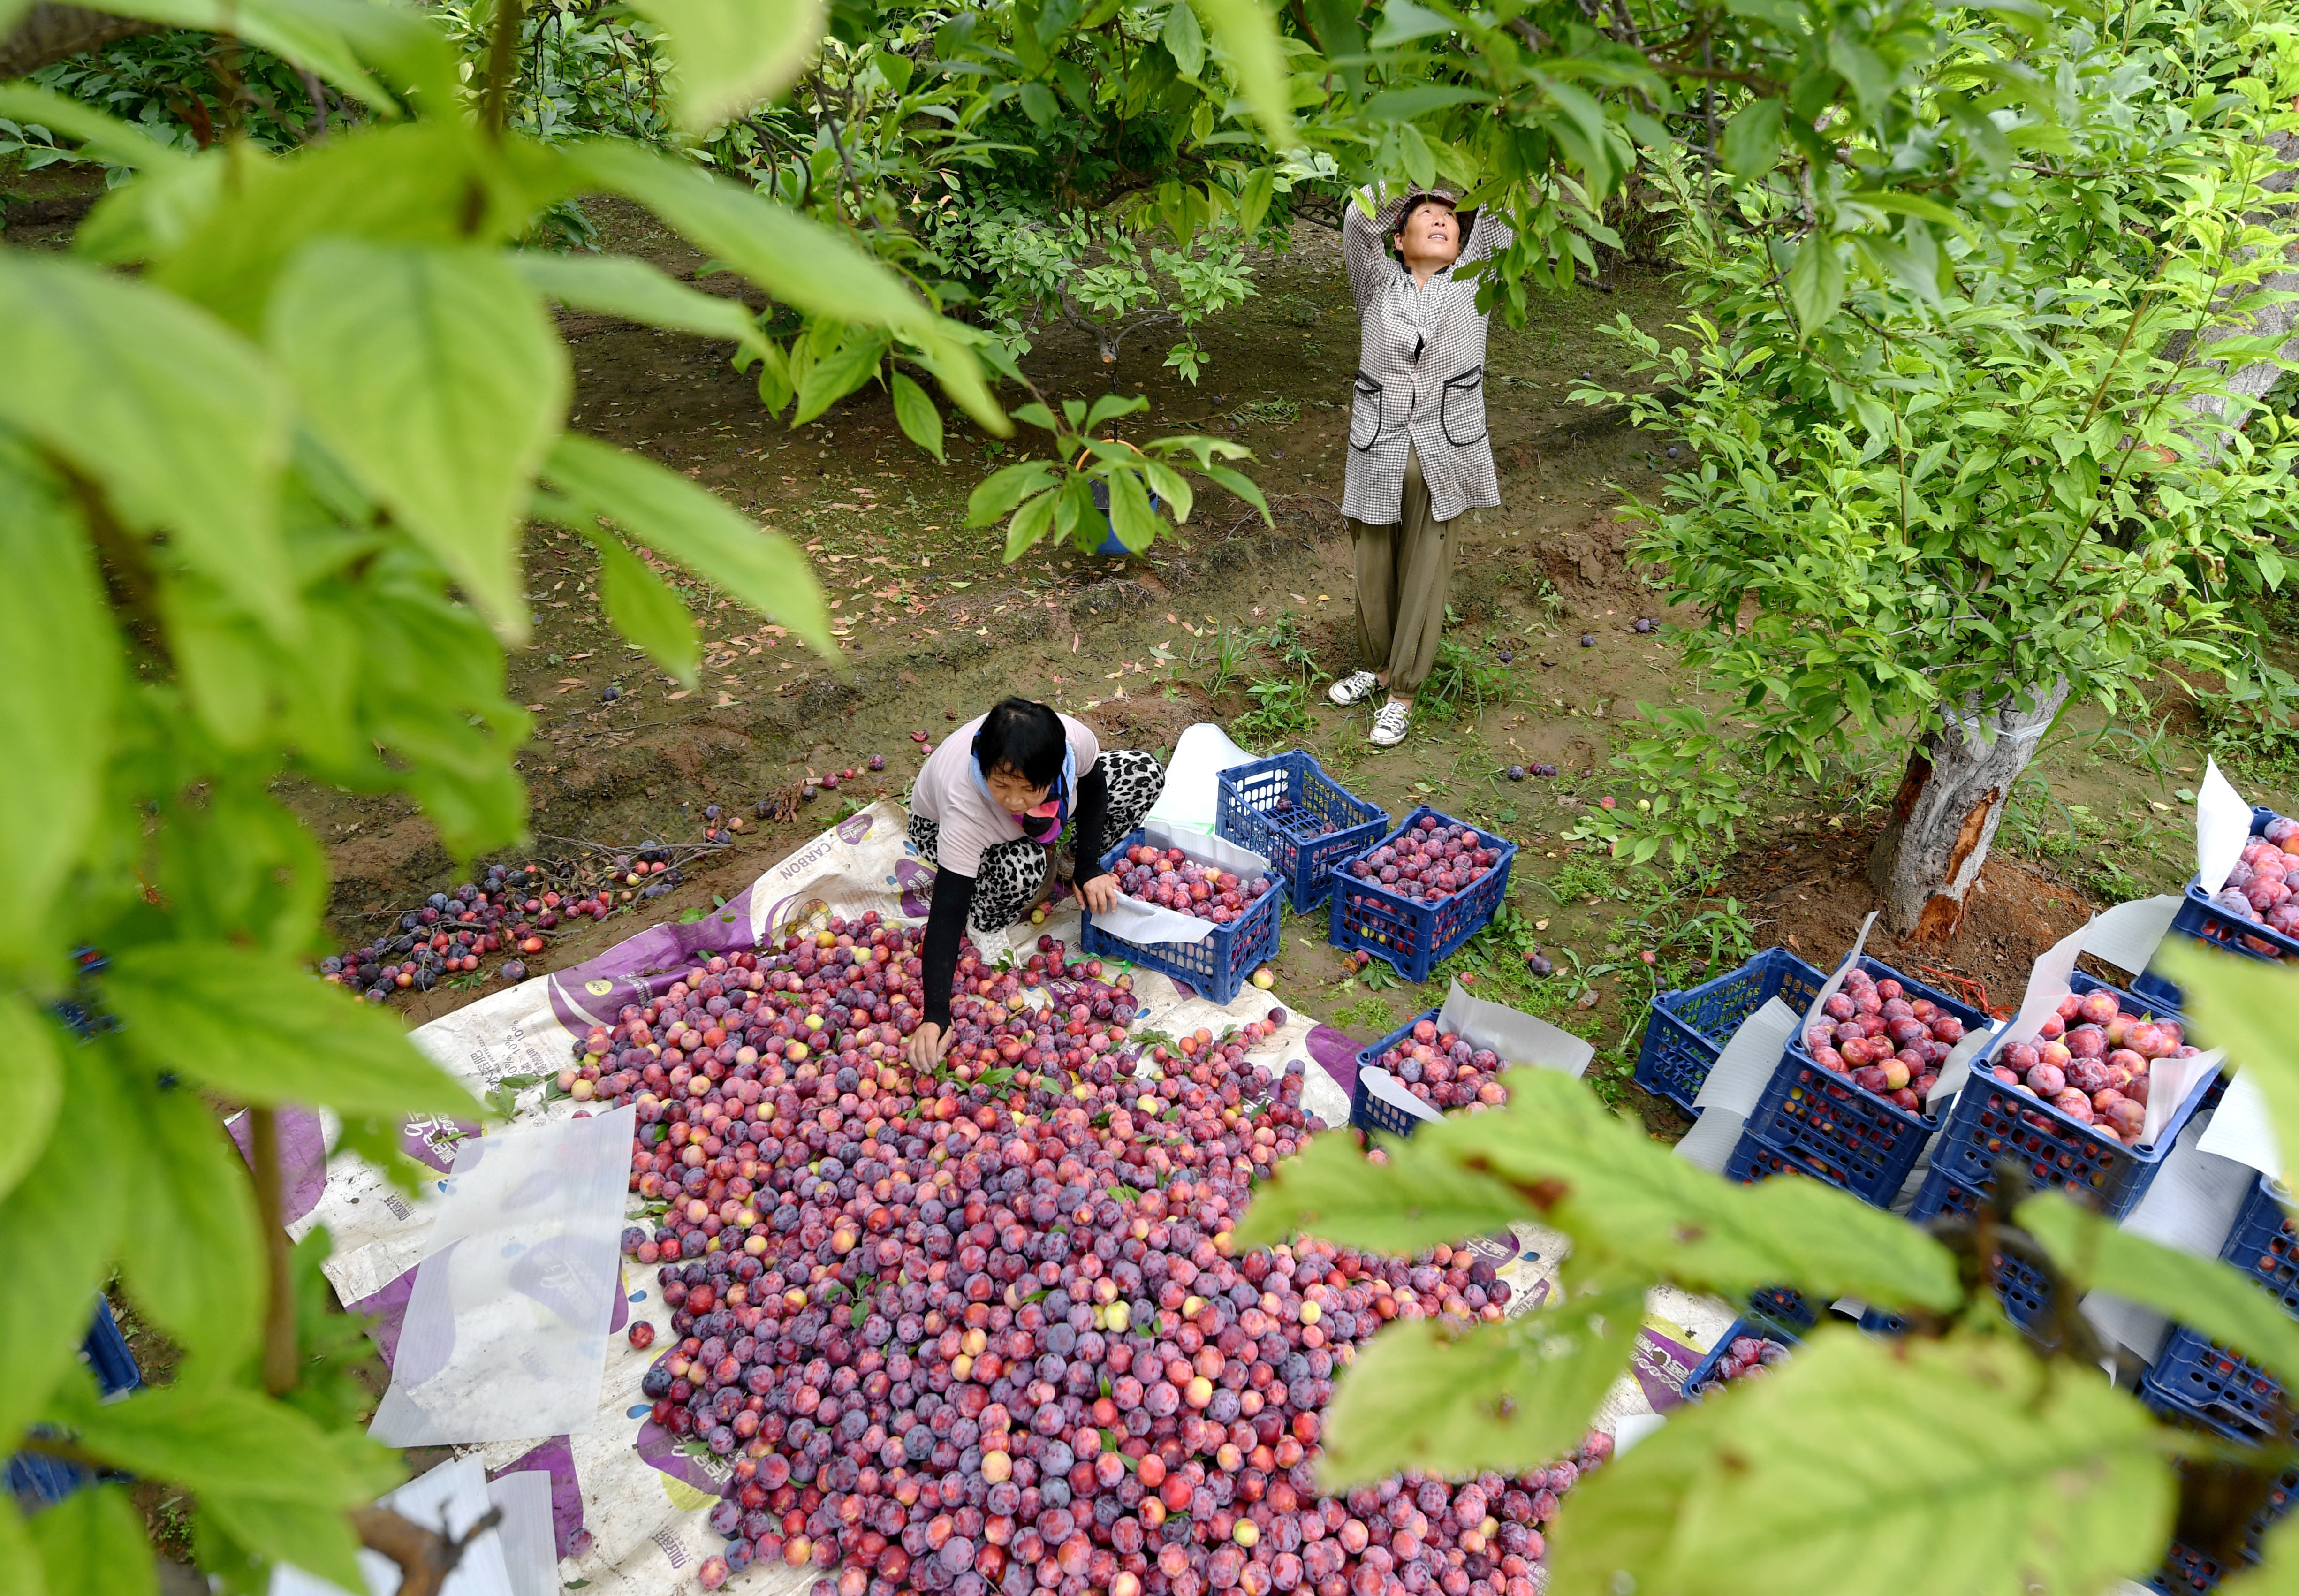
{"x": 990, "y": 807}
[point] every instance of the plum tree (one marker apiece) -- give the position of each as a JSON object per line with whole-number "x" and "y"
{"x": 1941, "y": 520}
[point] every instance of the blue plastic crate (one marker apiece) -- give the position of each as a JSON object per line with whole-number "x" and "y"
{"x": 1991, "y": 1121}
{"x": 1686, "y": 1030}
{"x": 2219, "y": 1388}
{"x": 2202, "y": 920}
{"x": 2263, "y": 1242}
{"x": 1368, "y": 1112}
{"x": 2211, "y": 1384}
{"x": 37, "y": 1480}
{"x": 2023, "y": 1290}
{"x": 1413, "y": 935}
{"x": 1276, "y": 808}
{"x": 1696, "y": 1383}
{"x": 1219, "y": 967}
{"x": 2189, "y": 1572}
{"x": 1840, "y": 1131}
{"x": 1783, "y": 1306}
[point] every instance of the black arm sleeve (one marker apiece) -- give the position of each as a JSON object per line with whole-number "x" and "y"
{"x": 953, "y": 899}
{"x": 1092, "y": 820}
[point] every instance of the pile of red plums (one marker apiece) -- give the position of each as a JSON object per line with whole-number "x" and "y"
{"x": 1886, "y": 1043}
{"x": 2090, "y": 1060}
{"x": 984, "y": 1328}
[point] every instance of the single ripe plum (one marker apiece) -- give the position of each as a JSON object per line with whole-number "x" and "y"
{"x": 2074, "y": 1104}
{"x": 2046, "y": 1081}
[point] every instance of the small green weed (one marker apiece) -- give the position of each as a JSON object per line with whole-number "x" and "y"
{"x": 1582, "y": 876}
{"x": 1369, "y": 1016}
{"x": 1280, "y": 713}
{"x": 1274, "y": 411}
{"x": 1461, "y": 680}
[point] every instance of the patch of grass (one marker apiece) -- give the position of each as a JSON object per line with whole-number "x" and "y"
{"x": 1278, "y": 410}
{"x": 1582, "y": 877}
{"x": 1297, "y": 310}
{"x": 1461, "y": 680}
{"x": 1280, "y": 713}
{"x": 1368, "y": 1018}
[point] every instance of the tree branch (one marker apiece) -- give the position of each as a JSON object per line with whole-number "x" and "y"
{"x": 47, "y": 34}
{"x": 426, "y": 1558}
{"x": 279, "y": 1355}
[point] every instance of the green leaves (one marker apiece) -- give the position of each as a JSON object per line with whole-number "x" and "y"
{"x": 234, "y": 1446}
{"x": 53, "y": 628}
{"x": 1960, "y": 1468}
{"x": 259, "y": 1030}
{"x": 119, "y": 143}
{"x": 809, "y": 267}
{"x": 1183, "y": 39}
{"x": 179, "y": 423}
{"x": 2212, "y": 1296}
{"x": 619, "y": 286}
{"x": 1627, "y": 1203}
{"x": 1331, "y": 1191}
{"x": 1256, "y": 58}
{"x": 2244, "y": 1006}
{"x": 645, "y": 610}
{"x": 728, "y": 55}
{"x": 1751, "y": 144}
{"x": 1509, "y": 1396}
{"x": 58, "y": 1229}
{"x": 35, "y": 1086}
{"x": 685, "y": 523}
{"x": 92, "y": 1543}
{"x": 915, "y": 415}
{"x": 435, "y": 376}
{"x": 1816, "y": 281}
{"x": 194, "y": 1257}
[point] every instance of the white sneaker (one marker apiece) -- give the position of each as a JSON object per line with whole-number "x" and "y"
{"x": 1353, "y": 688}
{"x": 1390, "y": 722}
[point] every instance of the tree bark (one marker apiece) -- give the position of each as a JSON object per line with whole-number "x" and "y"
{"x": 1947, "y": 812}
{"x": 47, "y": 34}
{"x": 2248, "y": 385}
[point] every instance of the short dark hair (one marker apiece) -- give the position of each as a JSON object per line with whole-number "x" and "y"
{"x": 1025, "y": 737}
{"x": 1404, "y": 218}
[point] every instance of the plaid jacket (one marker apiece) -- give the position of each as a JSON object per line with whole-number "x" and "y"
{"x": 1420, "y": 372}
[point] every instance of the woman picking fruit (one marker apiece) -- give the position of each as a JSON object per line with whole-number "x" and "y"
{"x": 1418, "y": 450}
{"x": 988, "y": 807}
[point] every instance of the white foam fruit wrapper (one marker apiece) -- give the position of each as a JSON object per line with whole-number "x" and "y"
{"x": 506, "y": 1329}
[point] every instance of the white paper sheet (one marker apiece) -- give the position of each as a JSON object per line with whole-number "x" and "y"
{"x": 1956, "y": 1067}
{"x": 2170, "y": 1082}
{"x": 1745, "y": 1066}
{"x": 1738, "y": 1078}
{"x": 1137, "y": 921}
{"x": 1709, "y": 1143}
{"x": 1634, "y": 1428}
{"x": 450, "y": 1499}
{"x": 2222, "y": 828}
{"x": 505, "y": 1335}
{"x": 530, "y": 1548}
{"x": 1835, "y": 982}
{"x": 1384, "y": 1087}
{"x": 2047, "y": 983}
{"x": 1517, "y": 1037}
{"x": 1191, "y": 800}
{"x": 2242, "y": 1131}
{"x": 2128, "y": 934}
{"x": 2190, "y": 1207}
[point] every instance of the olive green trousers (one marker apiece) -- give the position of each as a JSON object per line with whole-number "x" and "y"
{"x": 1404, "y": 573}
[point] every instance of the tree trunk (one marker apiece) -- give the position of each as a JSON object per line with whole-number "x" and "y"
{"x": 1947, "y": 812}
{"x": 45, "y": 34}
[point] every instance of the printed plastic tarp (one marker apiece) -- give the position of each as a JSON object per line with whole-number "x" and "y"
{"x": 627, "y": 1506}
